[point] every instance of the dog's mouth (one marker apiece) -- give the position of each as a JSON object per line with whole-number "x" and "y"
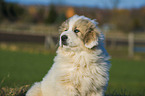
{"x": 64, "y": 43}
{"x": 69, "y": 47}
{"x": 66, "y": 47}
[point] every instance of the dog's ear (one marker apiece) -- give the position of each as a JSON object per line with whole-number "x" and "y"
{"x": 91, "y": 37}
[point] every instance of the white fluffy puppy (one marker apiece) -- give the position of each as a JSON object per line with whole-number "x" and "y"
{"x": 81, "y": 65}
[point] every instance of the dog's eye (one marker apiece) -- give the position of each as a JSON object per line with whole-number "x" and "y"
{"x": 76, "y": 30}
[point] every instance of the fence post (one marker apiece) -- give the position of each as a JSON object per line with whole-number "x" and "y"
{"x": 131, "y": 44}
{"x": 49, "y": 43}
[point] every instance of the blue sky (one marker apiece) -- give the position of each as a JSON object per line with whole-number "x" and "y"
{"x": 87, "y": 3}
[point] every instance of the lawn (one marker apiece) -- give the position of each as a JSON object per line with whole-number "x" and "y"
{"x": 17, "y": 68}
{"x": 20, "y": 68}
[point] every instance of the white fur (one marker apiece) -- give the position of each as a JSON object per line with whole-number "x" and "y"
{"x": 76, "y": 71}
{"x": 92, "y": 44}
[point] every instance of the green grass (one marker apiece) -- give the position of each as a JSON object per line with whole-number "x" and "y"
{"x": 127, "y": 76}
{"x": 20, "y": 68}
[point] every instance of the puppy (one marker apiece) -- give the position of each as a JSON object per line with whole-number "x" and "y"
{"x": 81, "y": 66}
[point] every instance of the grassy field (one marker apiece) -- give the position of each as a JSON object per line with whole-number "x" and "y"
{"x": 20, "y": 69}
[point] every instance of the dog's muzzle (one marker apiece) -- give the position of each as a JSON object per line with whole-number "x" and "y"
{"x": 64, "y": 39}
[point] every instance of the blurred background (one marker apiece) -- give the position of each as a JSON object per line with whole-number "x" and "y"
{"x": 29, "y": 38}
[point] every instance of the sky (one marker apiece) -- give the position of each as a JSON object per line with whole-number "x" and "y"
{"x": 87, "y": 3}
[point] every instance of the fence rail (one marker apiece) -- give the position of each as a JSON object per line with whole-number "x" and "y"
{"x": 47, "y": 39}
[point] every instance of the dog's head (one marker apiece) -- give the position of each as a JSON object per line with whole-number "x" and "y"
{"x": 79, "y": 31}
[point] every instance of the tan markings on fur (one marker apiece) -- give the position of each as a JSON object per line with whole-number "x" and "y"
{"x": 88, "y": 31}
{"x": 64, "y": 26}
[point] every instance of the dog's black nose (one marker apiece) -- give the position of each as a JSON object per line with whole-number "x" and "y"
{"x": 64, "y": 37}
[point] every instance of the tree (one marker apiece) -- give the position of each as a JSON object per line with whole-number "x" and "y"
{"x": 10, "y": 11}
{"x": 3, "y": 12}
{"x": 115, "y": 3}
{"x": 52, "y": 15}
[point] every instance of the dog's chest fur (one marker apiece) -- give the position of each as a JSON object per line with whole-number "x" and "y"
{"x": 86, "y": 72}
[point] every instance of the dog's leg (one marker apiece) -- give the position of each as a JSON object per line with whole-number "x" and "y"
{"x": 35, "y": 90}
{"x": 69, "y": 90}
{"x": 99, "y": 93}
{"x": 96, "y": 94}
